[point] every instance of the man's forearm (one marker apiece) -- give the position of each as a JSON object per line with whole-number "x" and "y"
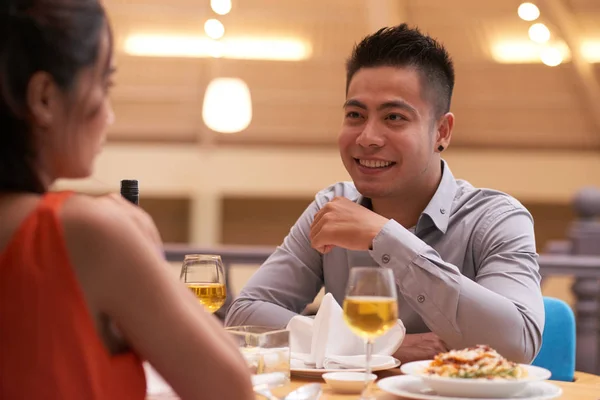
{"x": 256, "y": 312}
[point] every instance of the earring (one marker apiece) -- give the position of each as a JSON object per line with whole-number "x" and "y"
{"x": 440, "y": 148}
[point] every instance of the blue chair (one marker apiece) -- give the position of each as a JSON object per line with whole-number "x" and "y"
{"x": 558, "y": 341}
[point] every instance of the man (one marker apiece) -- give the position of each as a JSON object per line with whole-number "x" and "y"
{"x": 464, "y": 258}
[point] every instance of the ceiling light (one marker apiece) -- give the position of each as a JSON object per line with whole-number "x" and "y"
{"x": 590, "y": 50}
{"x": 539, "y": 33}
{"x": 524, "y": 51}
{"x": 246, "y": 48}
{"x": 528, "y": 12}
{"x": 551, "y": 56}
{"x": 220, "y": 7}
{"x": 227, "y": 106}
{"x": 214, "y": 29}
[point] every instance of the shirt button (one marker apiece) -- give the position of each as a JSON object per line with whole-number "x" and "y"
{"x": 385, "y": 259}
{"x": 420, "y": 298}
{"x": 443, "y": 210}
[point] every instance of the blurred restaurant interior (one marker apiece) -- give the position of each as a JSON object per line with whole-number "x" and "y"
{"x": 227, "y": 112}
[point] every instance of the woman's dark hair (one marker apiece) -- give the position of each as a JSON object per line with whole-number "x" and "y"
{"x": 59, "y": 37}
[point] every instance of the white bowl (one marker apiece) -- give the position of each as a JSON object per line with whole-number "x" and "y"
{"x": 347, "y": 382}
{"x": 477, "y": 388}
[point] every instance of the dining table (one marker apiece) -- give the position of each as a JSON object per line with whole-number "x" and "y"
{"x": 584, "y": 387}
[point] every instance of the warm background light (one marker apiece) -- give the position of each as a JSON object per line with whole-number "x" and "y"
{"x": 216, "y": 49}
{"x": 539, "y": 33}
{"x": 221, "y": 7}
{"x": 214, "y": 28}
{"x": 528, "y": 12}
{"x": 525, "y": 51}
{"x": 590, "y": 49}
{"x": 227, "y": 106}
{"x": 268, "y": 49}
{"x": 551, "y": 56}
{"x": 247, "y": 48}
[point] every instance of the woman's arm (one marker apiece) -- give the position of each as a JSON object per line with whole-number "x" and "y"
{"x": 114, "y": 248}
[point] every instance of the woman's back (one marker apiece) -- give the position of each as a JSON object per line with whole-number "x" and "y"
{"x": 51, "y": 348}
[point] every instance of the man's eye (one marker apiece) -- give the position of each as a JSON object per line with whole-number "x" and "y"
{"x": 395, "y": 117}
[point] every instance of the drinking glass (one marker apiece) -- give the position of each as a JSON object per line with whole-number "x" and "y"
{"x": 204, "y": 274}
{"x": 370, "y": 308}
{"x": 266, "y": 351}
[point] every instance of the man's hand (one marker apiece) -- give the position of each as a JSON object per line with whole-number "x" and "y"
{"x": 346, "y": 224}
{"x": 420, "y": 346}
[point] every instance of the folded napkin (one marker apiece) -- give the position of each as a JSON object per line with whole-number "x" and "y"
{"x": 327, "y": 342}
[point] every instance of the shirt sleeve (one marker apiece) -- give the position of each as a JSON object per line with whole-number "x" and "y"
{"x": 285, "y": 284}
{"x": 502, "y": 308}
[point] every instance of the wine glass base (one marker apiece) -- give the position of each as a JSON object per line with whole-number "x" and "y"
{"x": 367, "y": 393}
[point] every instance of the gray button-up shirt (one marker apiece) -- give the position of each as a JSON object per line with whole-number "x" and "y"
{"x": 467, "y": 271}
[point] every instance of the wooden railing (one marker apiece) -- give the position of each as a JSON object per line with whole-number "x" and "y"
{"x": 586, "y": 289}
{"x": 229, "y": 254}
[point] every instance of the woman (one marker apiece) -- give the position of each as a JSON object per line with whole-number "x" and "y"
{"x": 72, "y": 266}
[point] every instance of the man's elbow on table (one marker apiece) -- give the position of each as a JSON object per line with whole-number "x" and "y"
{"x": 524, "y": 345}
{"x": 238, "y": 313}
{"x": 520, "y": 347}
{"x": 522, "y": 354}
{"x": 530, "y": 347}
{"x": 520, "y": 343}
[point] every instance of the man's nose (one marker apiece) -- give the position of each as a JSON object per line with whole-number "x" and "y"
{"x": 370, "y": 136}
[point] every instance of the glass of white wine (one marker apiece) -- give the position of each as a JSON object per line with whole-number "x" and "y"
{"x": 204, "y": 274}
{"x": 370, "y": 308}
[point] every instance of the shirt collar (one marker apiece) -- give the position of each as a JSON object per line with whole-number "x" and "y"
{"x": 439, "y": 207}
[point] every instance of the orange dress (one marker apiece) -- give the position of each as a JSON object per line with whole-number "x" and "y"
{"x": 49, "y": 348}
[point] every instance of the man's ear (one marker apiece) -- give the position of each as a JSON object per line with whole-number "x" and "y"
{"x": 443, "y": 132}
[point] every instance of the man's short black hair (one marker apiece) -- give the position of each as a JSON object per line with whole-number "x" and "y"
{"x": 401, "y": 46}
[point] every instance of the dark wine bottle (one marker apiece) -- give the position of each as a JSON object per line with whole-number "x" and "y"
{"x": 130, "y": 190}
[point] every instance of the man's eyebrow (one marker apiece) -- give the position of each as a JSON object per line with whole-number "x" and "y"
{"x": 354, "y": 103}
{"x": 388, "y": 104}
{"x": 398, "y": 104}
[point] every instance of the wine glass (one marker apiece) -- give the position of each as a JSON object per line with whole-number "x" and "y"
{"x": 204, "y": 274}
{"x": 370, "y": 308}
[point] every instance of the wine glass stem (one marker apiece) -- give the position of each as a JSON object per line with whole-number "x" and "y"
{"x": 368, "y": 351}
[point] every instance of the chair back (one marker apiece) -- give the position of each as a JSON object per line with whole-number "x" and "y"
{"x": 558, "y": 341}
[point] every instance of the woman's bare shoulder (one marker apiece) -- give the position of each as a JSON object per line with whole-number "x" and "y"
{"x": 96, "y": 217}
{"x": 101, "y": 229}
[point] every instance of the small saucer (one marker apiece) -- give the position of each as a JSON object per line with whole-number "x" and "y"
{"x": 347, "y": 382}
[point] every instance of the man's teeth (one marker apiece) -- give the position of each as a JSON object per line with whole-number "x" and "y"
{"x": 375, "y": 163}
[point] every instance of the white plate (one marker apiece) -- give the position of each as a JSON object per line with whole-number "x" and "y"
{"x": 317, "y": 372}
{"x": 475, "y": 388}
{"x": 412, "y": 387}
